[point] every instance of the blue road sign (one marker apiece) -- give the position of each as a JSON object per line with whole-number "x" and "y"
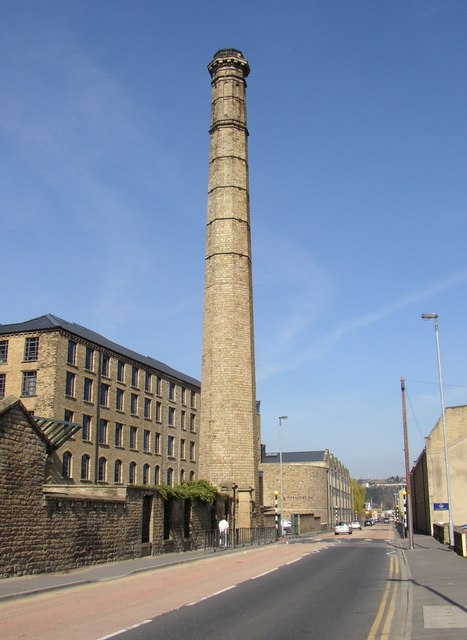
{"x": 441, "y": 506}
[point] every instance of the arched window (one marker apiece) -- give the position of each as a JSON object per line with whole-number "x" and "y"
{"x": 102, "y": 470}
{"x": 157, "y": 474}
{"x": 132, "y": 473}
{"x": 85, "y": 467}
{"x": 66, "y": 465}
{"x": 118, "y": 472}
{"x": 192, "y": 476}
{"x": 182, "y": 475}
{"x": 170, "y": 476}
{"x": 146, "y": 474}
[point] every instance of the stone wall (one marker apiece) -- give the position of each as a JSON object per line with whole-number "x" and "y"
{"x": 45, "y": 528}
{"x": 23, "y": 453}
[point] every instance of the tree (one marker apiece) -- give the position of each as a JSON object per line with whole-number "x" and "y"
{"x": 357, "y": 491}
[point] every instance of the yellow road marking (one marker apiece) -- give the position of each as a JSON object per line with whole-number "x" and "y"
{"x": 393, "y": 573}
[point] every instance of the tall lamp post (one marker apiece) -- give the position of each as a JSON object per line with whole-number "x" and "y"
{"x": 280, "y": 468}
{"x": 434, "y": 316}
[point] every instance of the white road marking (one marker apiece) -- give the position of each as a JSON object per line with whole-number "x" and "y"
{"x": 264, "y": 574}
{"x": 117, "y": 633}
{"x": 211, "y": 595}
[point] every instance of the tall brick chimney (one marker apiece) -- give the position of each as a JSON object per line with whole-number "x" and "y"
{"x": 229, "y": 424}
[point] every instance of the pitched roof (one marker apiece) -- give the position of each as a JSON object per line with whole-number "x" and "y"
{"x": 50, "y": 322}
{"x": 295, "y": 456}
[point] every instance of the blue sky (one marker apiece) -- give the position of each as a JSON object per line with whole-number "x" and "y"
{"x": 357, "y": 151}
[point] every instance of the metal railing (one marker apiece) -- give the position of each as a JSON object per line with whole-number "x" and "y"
{"x": 242, "y": 537}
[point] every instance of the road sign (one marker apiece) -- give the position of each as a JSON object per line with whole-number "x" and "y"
{"x": 441, "y": 506}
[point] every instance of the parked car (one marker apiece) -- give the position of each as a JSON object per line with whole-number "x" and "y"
{"x": 356, "y": 525}
{"x": 342, "y": 527}
{"x": 368, "y": 523}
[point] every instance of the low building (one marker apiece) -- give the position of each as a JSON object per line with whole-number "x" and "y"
{"x": 137, "y": 417}
{"x": 429, "y": 487}
{"x": 314, "y": 483}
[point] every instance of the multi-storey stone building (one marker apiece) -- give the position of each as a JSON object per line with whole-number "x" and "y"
{"x": 428, "y": 476}
{"x": 314, "y": 483}
{"x": 138, "y": 418}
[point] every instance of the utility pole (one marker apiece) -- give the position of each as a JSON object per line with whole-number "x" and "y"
{"x": 408, "y": 487}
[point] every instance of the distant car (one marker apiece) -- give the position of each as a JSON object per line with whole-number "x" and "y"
{"x": 286, "y": 526}
{"x": 368, "y": 523}
{"x": 386, "y": 520}
{"x": 342, "y": 527}
{"x": 356, "y": 525}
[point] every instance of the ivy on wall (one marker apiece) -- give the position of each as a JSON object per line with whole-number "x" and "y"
{"x": 198, "y": 490}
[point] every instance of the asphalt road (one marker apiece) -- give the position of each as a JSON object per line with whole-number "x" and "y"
{"x": 333, "y": 594}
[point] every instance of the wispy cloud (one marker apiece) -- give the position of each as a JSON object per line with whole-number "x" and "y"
{"x": 327, "y": 341}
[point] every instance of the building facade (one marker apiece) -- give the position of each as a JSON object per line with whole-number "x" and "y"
{"x": 428, "y": 477}
{"x": 229, "y": 423}
{"x": 313, "y": 483}
{"x": 138, "y": 418}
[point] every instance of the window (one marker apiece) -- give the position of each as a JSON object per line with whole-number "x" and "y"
{"x": 183, "y": 395}
{"x": 87, "y": 392}
{"x": 148, "y": 382}
{"x": 120, "y": 371}
{"x": 86, "y": 428}
{"x": 158, "y": 412}
{"x": 89, "y": 359}
{"x": 171, "y": 390}
{"x": 133, "y": 437}
{"x": 119, "y": 398}
{"x": 85, "y": 466}
{"x": 118, "y": 472}
{"x": 29, "y": 383}
{"x": 170, "y": 446}
{"x": 70, "y": 384}
{"x": 134, "y": 404}
{"x": 105, "y": 365}
{"x": 68, "y": 416}
{"x": 71, "y": 355}
{"x": 171, "y": 417}
{"x": 192, "y": 451}
{"x": 192, "y": 422}
{"x": 182, "y": 448}
{"x": 146, "y": 441}
{"x": 158, "y": 386}
{"x": 104, "y": 395}
{"x": 103, "y": 431}
{"x": 118, "y": 434}
{"x": 182, "y": 475}
{"x": 102, "y": 470}
{"x": 31, "y": 349}
{"x": 157, "y": 443}
{"x": 66, "y": 465}
{"x": 3, "y": 350}
{"x": 170, "y": 476}
{"x": 192, "y": 476}
{"x": 2, "y": 384}
{"x": 147, "y": 408}
{"x": 193, "y": 399}
{"x": 146, "y": 474}
{"x": 132, "y": 473}
{"x": 157, "y": 474}
{"x": 134, "y": 376}
{"x": 183, "y": 420}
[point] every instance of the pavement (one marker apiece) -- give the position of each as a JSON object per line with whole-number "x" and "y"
{"x": 436, "y": 584}
{"x": 437, "y": 590}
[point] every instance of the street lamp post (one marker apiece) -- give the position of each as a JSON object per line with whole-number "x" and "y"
{"x": 280, "y": 468}
{"x": 434, "y": 316}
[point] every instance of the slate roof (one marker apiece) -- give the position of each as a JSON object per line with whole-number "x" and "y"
{"x": 295, "y": 456}
{"x": 50, "y": 322}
